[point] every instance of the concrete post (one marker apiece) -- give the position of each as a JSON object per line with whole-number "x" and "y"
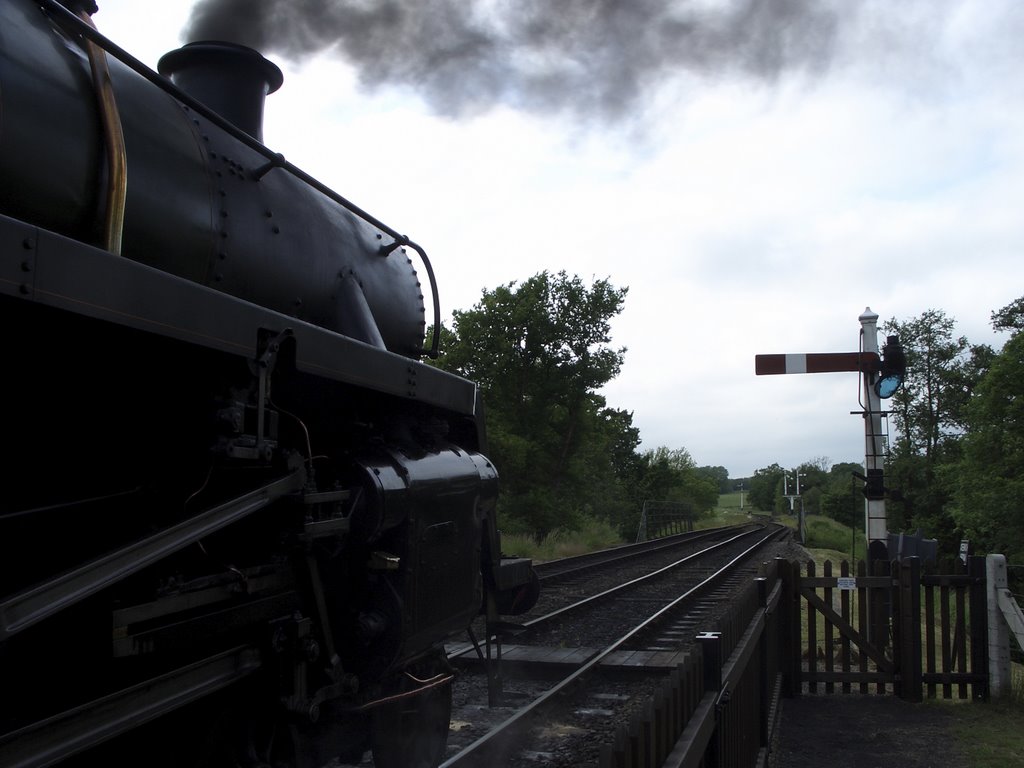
{"x": 998, "y": 630}
{"x": 875, "y": 523}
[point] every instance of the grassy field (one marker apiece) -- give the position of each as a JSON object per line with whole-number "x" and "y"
{"x": 992, "y": 732}
{"x": 730, "y": 502}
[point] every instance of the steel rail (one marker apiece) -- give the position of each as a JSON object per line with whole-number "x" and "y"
{"x": 567, "y": 566}
{"x": 639, "y": 580}
{"x": 590, "y": 563}
{"x": 481, "y": 750}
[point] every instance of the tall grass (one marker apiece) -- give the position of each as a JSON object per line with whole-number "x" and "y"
{"x": 592, "y": 535}
{"x": 826, "y": 533}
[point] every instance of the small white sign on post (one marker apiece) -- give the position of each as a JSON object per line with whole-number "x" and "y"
{"x": 846, "y": 582}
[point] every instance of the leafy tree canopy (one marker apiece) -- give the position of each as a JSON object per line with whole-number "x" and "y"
{"x": 672, "y": 475}
{"x": 987, "y": 481}
{"x": 541, "y": 350}
{"x": 764, "y": 486}
{"x": 718, "y": 475}
{"x": 930, "y": 416}
{"x": 1010, "y": 317}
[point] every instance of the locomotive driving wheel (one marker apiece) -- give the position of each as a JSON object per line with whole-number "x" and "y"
{"x": 412, "y": 730}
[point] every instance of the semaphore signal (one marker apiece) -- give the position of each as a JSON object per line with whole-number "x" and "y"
{"x": 817, "y": 362}
{"x": 882, "y": 375}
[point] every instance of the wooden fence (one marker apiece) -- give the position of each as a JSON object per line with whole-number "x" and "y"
{"x": 718, "y": 708}
{"x": 896, "y": 630}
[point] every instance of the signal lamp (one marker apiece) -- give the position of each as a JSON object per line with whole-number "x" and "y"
{"x": 894, "y": 368}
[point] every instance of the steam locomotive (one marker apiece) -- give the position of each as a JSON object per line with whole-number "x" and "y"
{"x": 239, "y": 514}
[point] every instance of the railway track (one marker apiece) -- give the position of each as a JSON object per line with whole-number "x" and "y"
{"x": 570, "y": 675}
{"x": 554, "y": 571}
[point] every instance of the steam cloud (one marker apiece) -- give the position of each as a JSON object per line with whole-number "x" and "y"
{"x": 590, "y": 58}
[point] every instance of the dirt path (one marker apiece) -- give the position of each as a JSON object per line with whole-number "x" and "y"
{"x": 854, "y": 731}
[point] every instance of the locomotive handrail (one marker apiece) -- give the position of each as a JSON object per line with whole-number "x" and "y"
{"x": 276, "y": 160}
{"x": 113, "y": 134}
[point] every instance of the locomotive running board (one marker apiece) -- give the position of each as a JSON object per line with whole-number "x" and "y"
{"x": 68, "y": 733}
{"x": 32, "y": 605}
{"x": 55, "y": 271}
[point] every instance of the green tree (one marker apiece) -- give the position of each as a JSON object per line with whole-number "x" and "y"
{"x": 718, "y": 475}
{"x": 764, "y": 487}
{"x": 929, "y": 415}
{"x": 813, "y": 477}
{"x": 988, "y": 480}
{"x": 672, "y": 475}
{"x": 842, "y": 499}
{"x": 928, "y": 407}
{"x": 540, "y": 351}
{"x": 1010, "y": 317}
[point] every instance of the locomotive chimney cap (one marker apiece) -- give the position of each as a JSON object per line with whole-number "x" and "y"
{"x": 231, "y": 79}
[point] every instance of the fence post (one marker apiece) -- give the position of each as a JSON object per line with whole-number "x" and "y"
{"x": 789, "y": 653}
{"x": 765, "y": 683}
{"x": 998, "y": 631}
{"x": 711, "y": 657}
{"x": 711, "y": 646}
{"x": 979, "y": 625}
{"x": 910, "y": 629}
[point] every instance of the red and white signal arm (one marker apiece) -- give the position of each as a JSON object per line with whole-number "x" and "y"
{"x": 820, "y": 362}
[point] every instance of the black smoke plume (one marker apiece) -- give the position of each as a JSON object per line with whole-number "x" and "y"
{"x": 589, "y": 58}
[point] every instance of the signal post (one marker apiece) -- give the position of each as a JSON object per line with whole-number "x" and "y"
{"x": 875, "y": 523}
{"x": 882, "y": 375}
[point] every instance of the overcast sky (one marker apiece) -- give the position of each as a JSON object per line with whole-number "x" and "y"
{"x": 757, "y": 173}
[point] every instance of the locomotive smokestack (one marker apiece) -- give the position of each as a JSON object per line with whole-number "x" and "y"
{"x": 230, "y": 79}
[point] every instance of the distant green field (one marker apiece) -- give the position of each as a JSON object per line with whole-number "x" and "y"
{"x": 731, "y": 501}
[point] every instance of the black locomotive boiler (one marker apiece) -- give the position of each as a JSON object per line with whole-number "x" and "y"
{"x": 239, "y": 515}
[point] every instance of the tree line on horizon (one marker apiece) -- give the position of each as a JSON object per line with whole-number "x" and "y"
{"x": 541, "y": 350}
